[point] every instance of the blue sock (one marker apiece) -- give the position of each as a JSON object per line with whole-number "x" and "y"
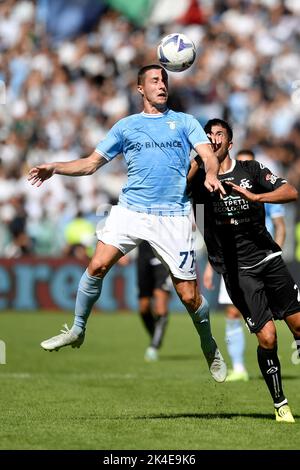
{"x": 235, "y": 341}
{"x": 202, "y": 324}
{"x": 88, "y": 293}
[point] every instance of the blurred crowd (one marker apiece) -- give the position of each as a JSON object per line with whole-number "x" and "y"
{"x": 58, "y": 99}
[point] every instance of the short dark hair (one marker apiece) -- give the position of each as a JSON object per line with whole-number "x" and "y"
{"x": 218, "y": 122}
{"x": 245, "y": 152}
{"x": 143, "y": 70}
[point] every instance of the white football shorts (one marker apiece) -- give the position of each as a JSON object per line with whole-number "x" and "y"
{"x": 171, "y": 237}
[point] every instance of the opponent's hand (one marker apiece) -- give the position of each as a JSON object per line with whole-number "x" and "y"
{"x": 213, "y": 184}
{"x": 243, "y": 191}
{"x": 41, "y": 173}
{"x": 216, "y": 141}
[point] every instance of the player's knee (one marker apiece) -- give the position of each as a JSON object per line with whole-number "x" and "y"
{"x": 190, "y": 299}
{"x": 268, "y": 340}
{"x": 232, "y": 312}
{"x": 144, "y": 310}
{"x": 267, "y": 337}
{"x": 98, "y": 269}
{"x": 144, "y": 305}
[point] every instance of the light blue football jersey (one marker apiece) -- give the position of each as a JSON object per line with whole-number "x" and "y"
{"x": 273, "y": 210}
{"x": 156, "y": 148}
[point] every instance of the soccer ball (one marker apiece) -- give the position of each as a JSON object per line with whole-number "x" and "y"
{"x": 176, "y": 52}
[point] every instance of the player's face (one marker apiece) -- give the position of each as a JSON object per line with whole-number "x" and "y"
{"x": 219, "y": 134}
{"x": 155, "y": 88}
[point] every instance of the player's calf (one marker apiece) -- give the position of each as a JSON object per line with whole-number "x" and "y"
{"x": 214, "y": 358}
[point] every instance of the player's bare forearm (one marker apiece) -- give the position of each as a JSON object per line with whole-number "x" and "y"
{"x": 81, "y": 167}
{"x": 205, "y": 155}
{"x": 283, "y": 194}
{"x": 211, "y": 166}
{"x": 209, "y": 159}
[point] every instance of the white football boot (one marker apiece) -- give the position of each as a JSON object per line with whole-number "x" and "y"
{"x": 217, "y": 365}
{"x": 66, "y": 338}
{"x": 151, "y": 354}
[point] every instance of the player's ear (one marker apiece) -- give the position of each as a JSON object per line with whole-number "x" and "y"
{"x": 140, "y": 90}
{"x": 230, "y": 145}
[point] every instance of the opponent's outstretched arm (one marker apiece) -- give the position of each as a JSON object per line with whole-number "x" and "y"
{"x": 285, "y": 193}
{"x": 80, "y": 167}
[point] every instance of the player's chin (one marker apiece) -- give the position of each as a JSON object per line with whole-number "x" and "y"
{"x": 162, "y": 99}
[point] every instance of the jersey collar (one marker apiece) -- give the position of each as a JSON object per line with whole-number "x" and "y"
{"x": 155, "y": 116}
{"x": 232, "y": 166}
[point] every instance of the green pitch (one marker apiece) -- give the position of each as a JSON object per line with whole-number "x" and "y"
{"x": 104, "y": 396}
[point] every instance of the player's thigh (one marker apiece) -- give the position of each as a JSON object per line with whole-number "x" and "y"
{"x": 119, "y": 230}
{"x": 282, "y": 291}
{"x": 248, "y": 295}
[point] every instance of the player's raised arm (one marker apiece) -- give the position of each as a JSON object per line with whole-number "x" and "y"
{"x": 211, "y": 166}
{"x": 80, "y": 167}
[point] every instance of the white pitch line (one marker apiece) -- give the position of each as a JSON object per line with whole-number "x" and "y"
{"x": 15, "y": 375}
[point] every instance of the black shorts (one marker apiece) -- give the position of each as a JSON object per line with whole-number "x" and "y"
{"x": 152, "y": 274}
{"x": 264, "y": 292}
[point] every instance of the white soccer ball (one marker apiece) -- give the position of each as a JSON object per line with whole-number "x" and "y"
{"x": 176, "y": 52}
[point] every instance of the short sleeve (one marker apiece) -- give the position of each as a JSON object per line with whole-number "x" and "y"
{"x": 112, "y": 144}
{"x": 196, "y": 134}
{"x": 264, "y": 177}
